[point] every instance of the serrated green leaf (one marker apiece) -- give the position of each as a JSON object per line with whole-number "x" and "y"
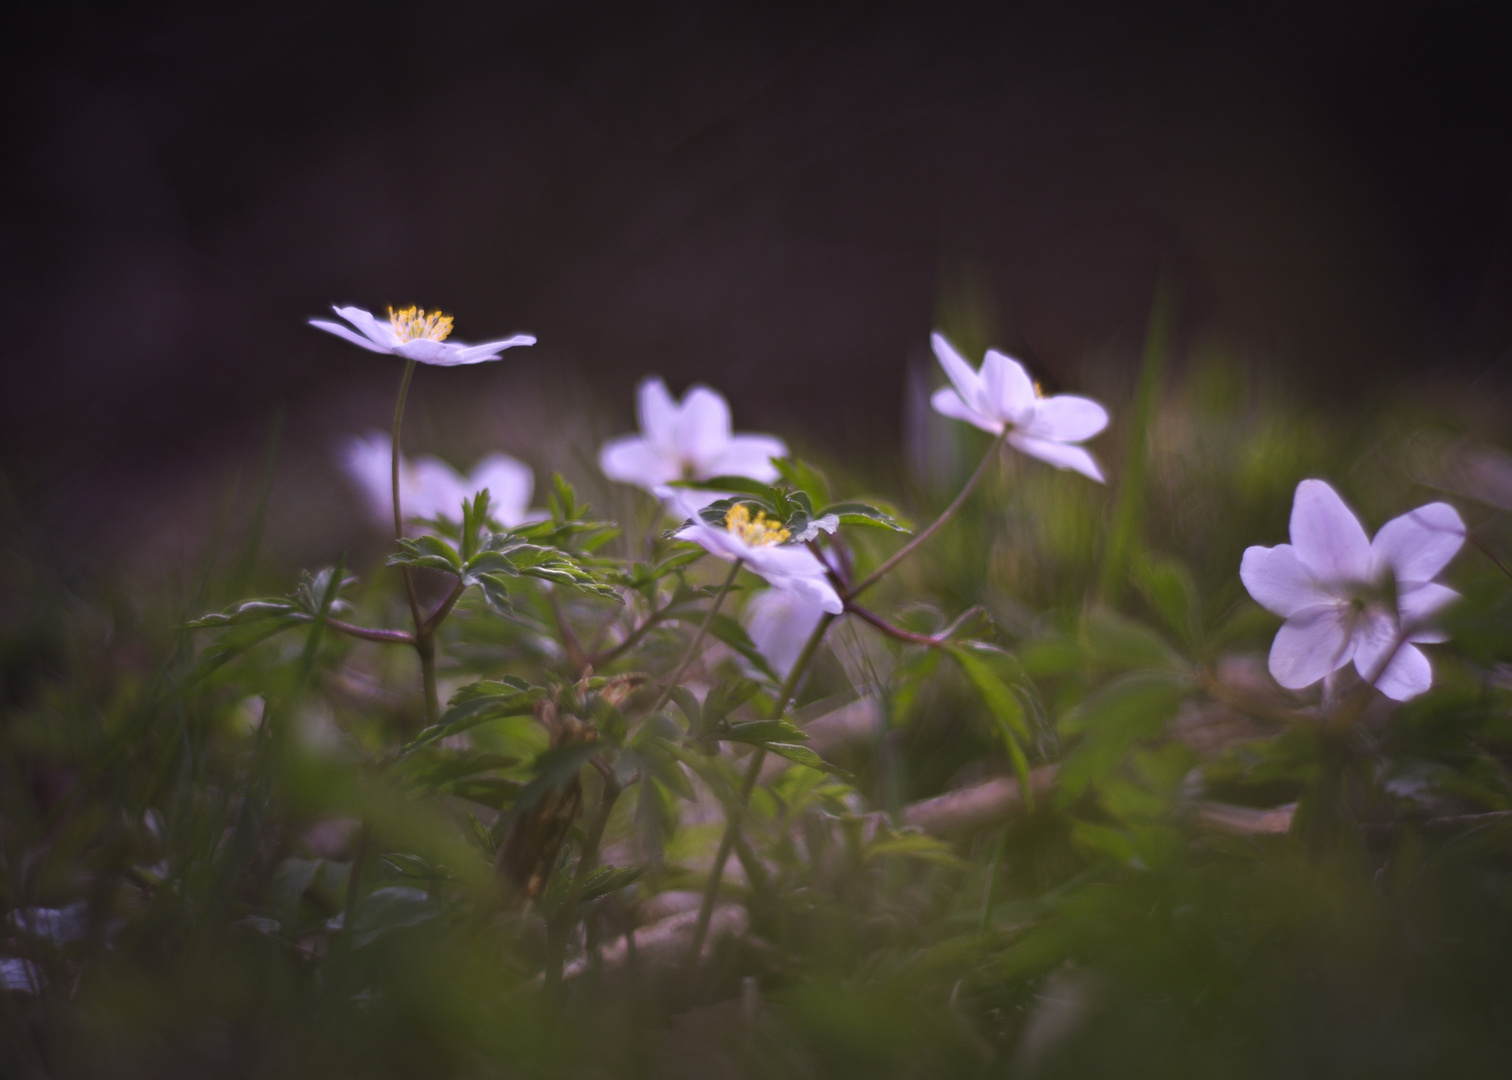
{"x": 859, "y": 513}
{"x": 1007, "y": 713}
{"x": 604, "y": 880}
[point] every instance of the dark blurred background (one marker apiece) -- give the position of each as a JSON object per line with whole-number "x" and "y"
{"x": 780, "y": 199}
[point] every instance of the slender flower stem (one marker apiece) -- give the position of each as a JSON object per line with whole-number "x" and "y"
{"x": 703, "y": 631}
{"x": 598, "y": 660}
{"x": 368, "y": 633}
{"x": 425, "y": 643}
{"x": 736, "y": 813}
{"x": 896, "y": 632}
{"x": 908, "y": 549}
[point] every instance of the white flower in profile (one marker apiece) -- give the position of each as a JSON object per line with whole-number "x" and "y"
{"x": 429, "y": 487}
{"x": 762, "y": 545}
{"x": 1002, "y": 395}
{"x": 779, "y": 623}
{"x": 1345, "y": 597}
{"x": 687, "y": 440}
{"x": 415, "y": 335}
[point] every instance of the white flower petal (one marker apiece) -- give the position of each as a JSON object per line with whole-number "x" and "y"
{"x": 1279, "y": 582}
{"x": 1310, "y": 645}
{"x": 817, "y": 591}
{"x": 425, "y": 351}
{"x": 748, "y": 455}
{"x": 1418, "y": 603}
{"x": 948, "y": 402}
{"x": 369, "y": 464}
{"x": 1420, "y": 543}
{"x": 966, "y": 381}
{"x": 779, "y": 622}
{"x": 1007, "y": 390}
{"x": 632, "y": 459}
{"x": 703, "y": 427}
{"x": 657, "y": 413}
{"x": 1067, "y": 418}
{"x": 350, "y": 334}
{"x": 1329, "y": 539}
{"x": 1408, "y": 675}
{"x": 510, "y": 484}
{"x": 490, "y": 350}
{"x": 380, "y": 332}
{"x": 1061, "y": 455}
{"x": 435, "y": 490}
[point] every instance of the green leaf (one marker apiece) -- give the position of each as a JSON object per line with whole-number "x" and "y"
{"x": 805, "y": 478}
{"x": 1007, "y": 713}
{"x": 471, "y": 709}
{"x": 1112, "y": 721}
{"x": 728, "y": 630}
{"x": 427, "y": 553}
{"x": 604, "y": 880}
{"x": 802, "y": 755}
{"x": 1170, "y": 590}
{"x": 762, "y": 732}
{"x": 1119, "y": 642}
{"x": 388, "y": 909}
{"x": 859, "y": 513}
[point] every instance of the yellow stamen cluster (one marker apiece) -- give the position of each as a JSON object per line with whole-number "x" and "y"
{"x": 1039, "y": 391}
{"x": 413, "y": 324}
{"x": 758, "y": 531}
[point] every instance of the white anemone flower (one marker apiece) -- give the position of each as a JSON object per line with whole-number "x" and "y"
{"x": 687, "y": 440}
{"x": 1003, "y": 396}
{"x": 762, "y": 545}
{"x": 429, "y": 487}
{"x": 779, "y": 623}
{"x": 1346, "y": 597}
{"x": 415, "y": 335}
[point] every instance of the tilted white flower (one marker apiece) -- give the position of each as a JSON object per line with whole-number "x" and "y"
{"x": 1002, "y": 395}
{"x": 779, "y": 623}
{"x": 690, "y": 440}
{"x": 415, "y": 335}
{"x": 760, "y": 543}
{"x": 1345, "y": 597}
{"x": 429, "y": 487}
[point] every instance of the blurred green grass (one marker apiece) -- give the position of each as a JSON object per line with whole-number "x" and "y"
{"x": 202, "y": 817}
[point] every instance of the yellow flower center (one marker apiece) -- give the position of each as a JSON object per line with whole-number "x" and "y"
{"x": 758, "y": 531}
{"x": 1039, "y": 391}
{"x": 413, "y": 324}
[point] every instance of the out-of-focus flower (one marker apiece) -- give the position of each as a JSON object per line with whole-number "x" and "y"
{"x": 1002, "y": 395}
{"x": 762, "y": 545}
{"x": 1345, "y": 597}
{"x": 415, "y": 335}
{"x": 429, "y": 487}
{"x": 780, "y": 623}
{"x": 690, "y": 440}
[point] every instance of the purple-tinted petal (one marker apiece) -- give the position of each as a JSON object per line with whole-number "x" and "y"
{"x": 747, "y": 455}
{"x": 1408, "y": 675}
{"x": 779, "y": 623}
{"x": 816, "y": 590}
{"x": 631, "y": 459}
{"x": 425, "y": 351}
{"x": 350, "y": 334}
{"x": 1419, "y": 603}
{"x": 509, "y": 483}
{"x": 1420, "y": 543}
{"x": 436, "y": 490}
{"x": 1007, "y": 389}
{"x": 947, "y": 402}
{"x": 490, "y": 350}
{"x": 703, "y": 426}
{"x": 657, "y": 413}
{"x": 1329, "y": 539}
{"x": 379, "y": 331}
{"x": 1067, "y": 418}
{"x": 1279, "y": 582}
{"x": 961, "y": 375}
{"x": 1061, "y": 455}
{"x": 1310, "y": 645}
{"x": 369, "y": 464}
